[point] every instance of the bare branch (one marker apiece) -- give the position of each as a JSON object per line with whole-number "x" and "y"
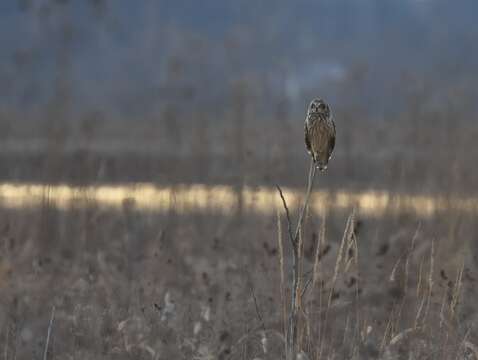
{"x": 287, "y": 214}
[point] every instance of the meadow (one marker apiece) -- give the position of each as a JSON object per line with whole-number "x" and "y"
{"x": 128, "y": 269}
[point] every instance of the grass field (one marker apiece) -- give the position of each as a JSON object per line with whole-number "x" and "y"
{"x": 170, "y": 242}
{"x": 132, "y": 281}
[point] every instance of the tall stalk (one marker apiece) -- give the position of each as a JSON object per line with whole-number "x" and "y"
{"x": 291, "y": 336}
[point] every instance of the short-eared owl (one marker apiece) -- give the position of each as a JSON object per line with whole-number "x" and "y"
{"x": 319, "y": 133}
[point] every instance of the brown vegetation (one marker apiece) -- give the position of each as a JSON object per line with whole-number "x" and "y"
{"x": 90, "y": 281}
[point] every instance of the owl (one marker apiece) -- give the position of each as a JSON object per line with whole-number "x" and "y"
{"x": 319, "y": 133}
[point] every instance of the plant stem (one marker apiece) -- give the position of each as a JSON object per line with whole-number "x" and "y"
{"x": 293, "y": 317}
{"x": 45, "y": 353}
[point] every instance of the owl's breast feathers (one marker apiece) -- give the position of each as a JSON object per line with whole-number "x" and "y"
{"x": 320, "y": 139}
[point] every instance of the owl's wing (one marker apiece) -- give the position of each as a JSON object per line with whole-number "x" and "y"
{"x": 332, "y": 139}
{"x": 307, "y": 139}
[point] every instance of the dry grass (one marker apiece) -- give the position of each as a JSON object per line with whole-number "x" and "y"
{"x": 212, "y": 282}
{"x": 420, "y": 322}
{"x": 135, "y": 283}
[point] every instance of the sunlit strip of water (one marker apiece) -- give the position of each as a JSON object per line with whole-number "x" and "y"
{"x": 225, "y": 199}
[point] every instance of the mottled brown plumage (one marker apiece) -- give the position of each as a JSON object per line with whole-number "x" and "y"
{"x": 319, "y": 133}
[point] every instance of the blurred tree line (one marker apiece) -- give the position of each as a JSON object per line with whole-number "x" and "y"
{"x": 226, "y": 84}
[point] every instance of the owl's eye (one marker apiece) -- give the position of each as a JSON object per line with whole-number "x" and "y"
{"x": 322, "y": 106}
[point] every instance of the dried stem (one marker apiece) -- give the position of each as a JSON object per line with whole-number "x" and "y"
{"x": 287, "y": 213}
{"x": 50, "y": 325}
{"x": 282, "y": 275}
{"x": 291, "y": 336}
{"x": 310, "y": 185}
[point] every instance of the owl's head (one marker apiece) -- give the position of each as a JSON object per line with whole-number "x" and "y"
{"x": 319, "y": 106}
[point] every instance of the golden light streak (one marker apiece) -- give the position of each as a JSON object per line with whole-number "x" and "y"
{"x": 224, "y": 199}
